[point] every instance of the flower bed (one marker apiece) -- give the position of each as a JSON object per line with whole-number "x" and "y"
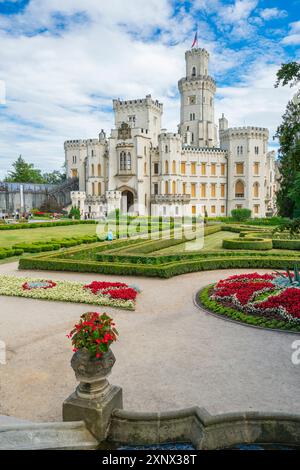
{"x": 262, "y": 300}
{"x": 112, "y": 294}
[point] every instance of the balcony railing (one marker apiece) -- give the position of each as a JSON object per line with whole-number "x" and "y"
{"x": 170, "y": 198}
{"x": 239, "y": 195}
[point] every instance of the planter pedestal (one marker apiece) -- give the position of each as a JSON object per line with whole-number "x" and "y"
{"x": 94, "y": 398}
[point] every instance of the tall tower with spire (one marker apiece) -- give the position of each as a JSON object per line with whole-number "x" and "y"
{"x": 197, "y": 90}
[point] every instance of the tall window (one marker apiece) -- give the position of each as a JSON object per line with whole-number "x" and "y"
{"x": 99, "y": 170}
{"x": 203, "y": 189}
{"x": 173, "y": 187}
{"x": 166, "y": 149}
{"x": 122, "y": 161}
{"x": 173, "y": 167}
{"x": 213, "y": 169}
{"x": 256, "y": 168}
{"x": 99, "y": 189}
{"x": 194, "y": 72}
{"x": 166, "y": 187}
{"x": 166, "y": 167}
{"x": 93, "y": 189}
{"x": 222, "y": 190}
{"x": 238, "y": 150}
{"x": 213, "y": 189}
{"x": 256, "y": 189}
{"x": 155, "y": 188}
{"x": 241, "y": 150}
{"x": 93, "y": 170}
{"x": 222, "y": 169}
{"x": 203, "y": 169}
{"x": 193, "y": 189}
{"x": 182, "y": 168}
{"x": 128, "y": 161}
{"x": 239, "y": 168}
{"x": 256, "y": 150}
{"x": 239, "y": 189}
{"x": 193, "y": 168}
{"x": 183, "y": 188}
{"x": 156, "y": 168}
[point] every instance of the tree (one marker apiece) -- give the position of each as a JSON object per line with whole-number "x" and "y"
{"x": 24, "y": 173}
{"x": 74, "y": 212}
{"x": 241, "y": 214}
{"x": 288, "y": 134}
{"x": 55, "y": 177}
{"x": 288, "y": 74}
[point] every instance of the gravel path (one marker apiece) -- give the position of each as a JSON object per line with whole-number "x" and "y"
{"x": 170, "y": 354}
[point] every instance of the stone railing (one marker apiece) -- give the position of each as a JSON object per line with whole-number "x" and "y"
{"x": 170, "y": 198}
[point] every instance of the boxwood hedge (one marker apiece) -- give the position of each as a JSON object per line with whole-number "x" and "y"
{"x": 247, "y": 244}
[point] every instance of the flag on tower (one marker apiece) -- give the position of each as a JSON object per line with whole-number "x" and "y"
{"x": 195, "y": 40}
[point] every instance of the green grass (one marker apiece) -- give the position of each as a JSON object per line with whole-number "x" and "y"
{"x": 211, "y": 243}
{"x": 11, "y": 237}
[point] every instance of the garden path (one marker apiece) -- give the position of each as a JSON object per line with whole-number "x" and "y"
{"x": 170, "y": 354}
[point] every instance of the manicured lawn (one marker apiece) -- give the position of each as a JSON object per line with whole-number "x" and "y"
{"x": 10, "y": 237}
{"x": 211, "y": 243}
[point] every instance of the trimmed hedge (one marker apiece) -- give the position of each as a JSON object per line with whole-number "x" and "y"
{"x": 247, "y": 244}
{"x": 166, "y": 270}
{"x": 7, "y": 253}
{"x": 233, "y": 314}
{"x": 286, "y": 244}
{"x": 45, "y": 224}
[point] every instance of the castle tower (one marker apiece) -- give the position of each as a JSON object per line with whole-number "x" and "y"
{"x": 197, "y": 91}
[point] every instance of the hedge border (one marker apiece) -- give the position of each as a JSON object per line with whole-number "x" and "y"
{"x": 247, "y": 243}
{"x": 212, "y": 307}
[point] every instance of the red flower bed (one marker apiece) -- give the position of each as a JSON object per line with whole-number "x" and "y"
{"x": 241, "y": 291}
{"x": 116, "y": 290}
{"x": 288, "y": 300}
{"x": 124, "y": 294}
{"x": 97, "y": 286}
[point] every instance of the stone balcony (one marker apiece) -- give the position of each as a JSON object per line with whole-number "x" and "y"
{"x": 95, "y": 200}
{"x": 170, "y": 198}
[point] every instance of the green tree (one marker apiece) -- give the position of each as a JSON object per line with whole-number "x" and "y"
{"x": 24, "y": 173}
{"x": 288, "y": 134}
{"x": 74, "y": 212}
{"x": 241, "y": 214}
{"x": 55, "y": 177}
{"x": 288, "y": 74}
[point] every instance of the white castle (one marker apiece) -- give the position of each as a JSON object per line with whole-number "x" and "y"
{"x": 143, "y": 169}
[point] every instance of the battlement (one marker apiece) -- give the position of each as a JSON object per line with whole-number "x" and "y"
{"x": 201, "y": 150}
{"x": 82, "y": 143}
{"x": 148, "y": 101}
{"x": 251, "y": 131}
{"x": 169, "y": 136}
{"x": 197, "y": 52}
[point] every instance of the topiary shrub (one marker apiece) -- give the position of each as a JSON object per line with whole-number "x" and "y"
{"x": 247, "y": 244}
{"x": 241, "y": 214}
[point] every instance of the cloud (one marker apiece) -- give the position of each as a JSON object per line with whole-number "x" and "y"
{"x": 293, "y": 38}
{"x": 272, "y": 13}
{"x": 64, "y": 62}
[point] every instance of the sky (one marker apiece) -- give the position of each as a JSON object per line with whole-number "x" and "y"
{"x": 62, "y": 63}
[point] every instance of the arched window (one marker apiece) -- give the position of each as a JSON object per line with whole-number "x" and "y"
{"x": 238, "y": 150}
{"x": 239, "y": 189}
{"x": 241, "y": 150}
{"x": 256, "y": 189}
{"x": 194, "y": 72}
{"x": 93, "y": 170}
{"x": 173, "y": 187}
{"x": 166, "y": 187}
{"x": 173, "y": 167}
{"x": 166, "y": 167}
{"x": 166, "y": 149}
{"x": 99, "y": 170}
{"x": 99, "y": 189}
{"x": 192, "y": 139}
{"x": 128, "y": 161}
{"x": 93, "y": 189}
{"x": 122, "y": 161}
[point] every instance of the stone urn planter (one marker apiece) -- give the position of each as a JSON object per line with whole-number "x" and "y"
{"x": 92, "y": 373}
